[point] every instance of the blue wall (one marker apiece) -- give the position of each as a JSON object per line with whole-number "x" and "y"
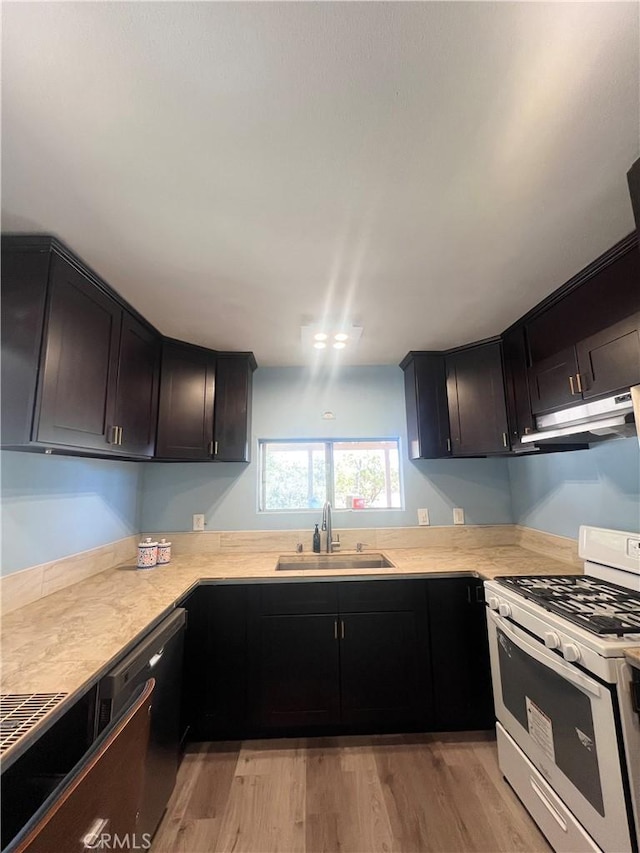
{"x": 560, "y": 491}
{"x": 54, "y": 506}
{"x": 288, "y": 403}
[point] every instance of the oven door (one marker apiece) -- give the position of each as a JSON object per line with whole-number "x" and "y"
{"x": 564, "y": 722}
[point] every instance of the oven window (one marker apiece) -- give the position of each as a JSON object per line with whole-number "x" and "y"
{"x": 556, "y": 714}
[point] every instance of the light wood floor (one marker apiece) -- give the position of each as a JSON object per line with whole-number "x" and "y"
{"x": 389, "y": 794}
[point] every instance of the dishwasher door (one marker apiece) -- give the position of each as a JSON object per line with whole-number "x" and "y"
{"x": 158, "y": 656}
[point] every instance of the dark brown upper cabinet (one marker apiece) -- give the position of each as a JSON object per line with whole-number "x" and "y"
{"x": 425, "y": 397}
{"x": 232, "y": 409}
{"x": 205, "y": 404}
{"x": 633, "y": 178}
{"x": 79, "y": 371}
{"x": 516, "y": 385}
{"x": 185, "y": 414}
{"x": 476, "y": 398}
{"x": 584, "y": 342}
{"x": 609, "y": 361}
{"x": 553, "y": 383}
{"x": 137, "y": 387}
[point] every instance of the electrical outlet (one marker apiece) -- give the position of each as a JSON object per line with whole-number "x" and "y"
{"x": 633, "y": 548}
{"x": 198, "y": 521}
{"x": 423, "y": 516}
{"x": 458, "y": 515}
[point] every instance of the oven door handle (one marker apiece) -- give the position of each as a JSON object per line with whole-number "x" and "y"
{"x": 565, "y": 670}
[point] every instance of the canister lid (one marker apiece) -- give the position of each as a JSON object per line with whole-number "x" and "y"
{"x": 164, "y": 544}
{"x": 148, "y": 543}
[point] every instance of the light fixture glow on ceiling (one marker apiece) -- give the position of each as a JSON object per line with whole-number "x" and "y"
{"x": 338, "y": 333}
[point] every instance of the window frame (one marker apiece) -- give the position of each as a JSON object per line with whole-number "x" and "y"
{"x": 329, "y": 470}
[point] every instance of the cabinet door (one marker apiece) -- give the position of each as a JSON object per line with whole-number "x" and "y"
{"x": 232, "y": 422}
{"x": 294, "y": 671}
{"x": 477, "y": 409}
{"x": 553, "y": 382}
{"x": 462, "y": 691}
{"x": 384, "y": 669}
{"x": 633, "y": 178}
{"x": 185, "y": 415}
{"x": 610, "y": 360}
{"x": 518, "y": 400}
{"x": 137, "y": 394}
{"x": 24, "y": 292}
{"x": 425, "y": 395}
{"x": 215, "y": 670}
{"x": 79, "y": 379}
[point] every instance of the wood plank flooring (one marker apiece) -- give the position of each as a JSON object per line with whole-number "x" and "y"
{"x": 380, "y": 794}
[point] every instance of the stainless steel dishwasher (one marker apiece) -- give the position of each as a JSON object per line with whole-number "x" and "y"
{"x": 158, "y": 656}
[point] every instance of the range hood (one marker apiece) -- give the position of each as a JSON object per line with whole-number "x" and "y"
{"x": 590, "y": 422}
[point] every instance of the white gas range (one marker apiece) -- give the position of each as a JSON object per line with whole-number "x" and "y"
{"x": 567, "y": 726}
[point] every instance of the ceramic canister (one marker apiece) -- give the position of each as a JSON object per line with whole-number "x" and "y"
{"x": 147, "y": 554}
{"x": 164, "y": 552}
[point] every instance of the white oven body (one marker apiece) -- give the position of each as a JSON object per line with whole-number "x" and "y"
{"x": 564, "y": 722}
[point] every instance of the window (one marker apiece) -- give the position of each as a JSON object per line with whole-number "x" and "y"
{"x": 298, "y": 475}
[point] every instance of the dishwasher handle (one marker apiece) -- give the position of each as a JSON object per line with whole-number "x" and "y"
{"x": 145, "y": 655}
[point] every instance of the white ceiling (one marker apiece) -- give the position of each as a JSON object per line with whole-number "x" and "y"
{"x": 427, "y": 170}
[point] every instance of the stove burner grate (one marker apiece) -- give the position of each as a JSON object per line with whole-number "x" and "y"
{"x": 598, "y": 606}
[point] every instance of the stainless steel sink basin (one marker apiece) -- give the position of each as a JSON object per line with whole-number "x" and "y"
{"x": 318, "y": 562}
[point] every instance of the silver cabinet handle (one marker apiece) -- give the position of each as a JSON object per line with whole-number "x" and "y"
{"x": 215, "y": 448}
{"x": 342, "y": 629}
{"x": 211, "y": 448}
{"x": 119, "y": 435}
{"x": 573, "y": 390}
{"x": 505, "y": 439}
{"x": 579, "y": 382}
{"x": 91, "y": 839}
{"x": 154, "y": 659}
{"x": 448, "y": 445}
{"x": 113, "y": 438}
{"x": 335, "y": 629}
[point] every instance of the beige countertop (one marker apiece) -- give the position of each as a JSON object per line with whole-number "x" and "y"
{"x": 633, "y": 656}
{"x": 66, "y": 641}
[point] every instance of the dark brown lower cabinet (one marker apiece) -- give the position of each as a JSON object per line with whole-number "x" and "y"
{"x": 463, "y": 697}
{"x": 215, "y": 677}
{"x": 295, "y": 671}
{"x": 279, "y": 659}
{"x": 383, "y": 670}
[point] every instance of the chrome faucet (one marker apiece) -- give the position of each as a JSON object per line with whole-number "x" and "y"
{"x": 326, "y": 525}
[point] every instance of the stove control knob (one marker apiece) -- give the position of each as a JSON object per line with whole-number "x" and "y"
{"x": 493, "y": 602}
{"x": 504, "y": 609}
{"x": 551, "y": 640}
{"x": 571, "y": 653}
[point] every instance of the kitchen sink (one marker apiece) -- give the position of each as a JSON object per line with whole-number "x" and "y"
{"x": 317, "y": 562}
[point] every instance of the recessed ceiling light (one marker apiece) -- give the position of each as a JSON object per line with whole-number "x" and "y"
{"x": 335, "y": 333}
